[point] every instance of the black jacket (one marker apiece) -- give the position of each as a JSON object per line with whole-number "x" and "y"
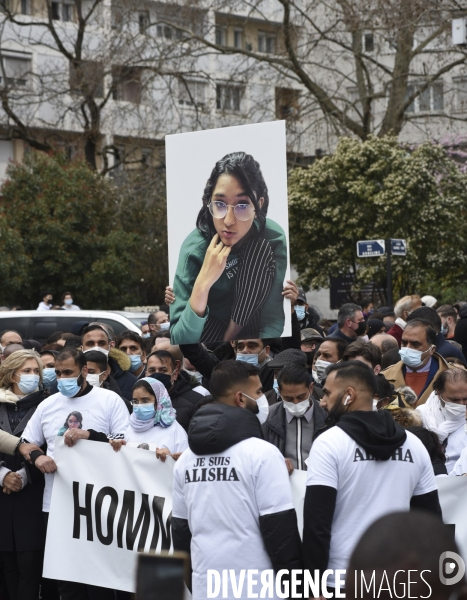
{"x": 205, "y": 361}
{"x": 112, "y": 385}
{"x": 215, "y": 428}
{"x": 185, "y": 401}
{"x": 22, "y": 524}
{"x": 274, "y": 428}
{"x": 120, "y": 371}
{"x": 460, "y": 333}
{"x": 446, "y": 349}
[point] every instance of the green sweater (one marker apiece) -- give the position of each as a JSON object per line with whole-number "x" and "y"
{"x": 185, "y": 326}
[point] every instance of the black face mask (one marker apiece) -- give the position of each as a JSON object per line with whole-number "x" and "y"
{"x": 309, "y": 357}
{"x": 336, "y": 413}
{"x": 361, "y": 328}
{"x": 164, "y": 378}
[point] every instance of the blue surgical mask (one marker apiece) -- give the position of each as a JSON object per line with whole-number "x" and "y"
{"x": 144, "y": 412}
{"x": 165, "y": 326}
{"x": 68, "y": 386}
{"x": 135, "y": 362}
{"x": 28, "y": 383}
{"x": 49, "y": 377}
{"x": 300, "y": 311}
{"x": 412, "y": 358}
{"x": 146, "y": 335}
{"x": 68, "y": 301}
{"x": 164, "y": 378}
{"x": 251, "y": 359}
{"x": 444, "y": 328}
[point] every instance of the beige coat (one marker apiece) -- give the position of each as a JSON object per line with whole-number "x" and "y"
{"x": 395, "y": 376}
{"x": 8, "y": 442}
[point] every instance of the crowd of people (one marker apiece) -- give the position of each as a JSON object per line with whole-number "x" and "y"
{"x": 373, "y": 407}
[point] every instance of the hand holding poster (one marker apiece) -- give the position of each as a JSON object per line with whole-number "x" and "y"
{"x": 228, "y": 233}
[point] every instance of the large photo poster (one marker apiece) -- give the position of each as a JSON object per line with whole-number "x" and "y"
{"x": 228, "y": 233}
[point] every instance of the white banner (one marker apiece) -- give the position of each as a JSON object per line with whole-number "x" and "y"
{"x": 106, "y": 505}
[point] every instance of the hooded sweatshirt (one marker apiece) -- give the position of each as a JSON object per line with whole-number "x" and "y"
{"x": 232, "y": 502}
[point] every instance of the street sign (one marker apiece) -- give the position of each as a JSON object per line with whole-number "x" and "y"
{"x": 398, "y": 247}
{"x": 369, "y": 248}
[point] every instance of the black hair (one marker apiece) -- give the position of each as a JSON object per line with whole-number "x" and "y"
{"x": 247, "y": 170}
{"x": 97, "y": 357}
{"x": 57, "y": 335}
{"x": 425, "y": 313}
{"x": 385, "y": 389}
{"x": 93, "y": 327}
{"x": 130, "y": 335}
{"x": 146, "y": 386}
{"x": 73, "y": 341}
{"x": 46, "y": 293}
{"x": 228, "y": 374}
{"x": 163, "y": 354}
{"x": 430, "y": 440}
{"x": 224, "y": 351}
{"x": 446, "y": 311}
{"x": 366, "y": 350}
{"x": 66, "y": 294}
{"x": 76, "y": 414}
{"x": 341, "y": 345}
{"x": 391, "y": 357}
{"x": 295, "y": 375}
{"x": 78, "y": 357}
{"x": 429, "y": 331}
{"x": 355, "y": 370}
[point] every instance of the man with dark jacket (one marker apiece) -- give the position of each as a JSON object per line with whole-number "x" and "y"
{"x": 162, "y": 366}
{"x": 250, "y": 522}
{"x": 100, "y": 335}
{"x": 294, "y": 422}
{"x": 350, "y": 323}
{"x": 364, "y": 467}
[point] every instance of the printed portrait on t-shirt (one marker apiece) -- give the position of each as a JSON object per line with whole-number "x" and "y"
{"x": 228, "y": 233}
{"x": 73, "y": 420}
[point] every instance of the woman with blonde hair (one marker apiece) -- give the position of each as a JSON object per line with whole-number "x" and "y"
{"x": 22, "y": 528}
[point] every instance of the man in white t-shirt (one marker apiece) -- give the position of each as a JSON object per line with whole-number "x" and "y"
{"x": 364, "y": 467}
{"x": 232, "y": 503}
{"x": 445, "y": 413}
{"x": 78, "y": 411}
{"x": 67, "y": 298}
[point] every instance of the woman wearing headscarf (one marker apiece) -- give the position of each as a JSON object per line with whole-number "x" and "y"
{"x": 153, "y": 421}
{"x": 22, "y": 527}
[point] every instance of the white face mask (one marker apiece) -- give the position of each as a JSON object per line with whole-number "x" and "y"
{"x": 93, "y": 379}
{"x": 375, "y": 404}
{"x": 263, "y": 407}
{"x": 455, "y": 411}
{"x": 99, "y": 349}
{"x": 299, "y": 409}
{"x": 321, "y": 366}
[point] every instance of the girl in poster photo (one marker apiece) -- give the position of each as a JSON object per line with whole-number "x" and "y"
{"x": 73, "y": 421}
{"x": 231, "y": 268}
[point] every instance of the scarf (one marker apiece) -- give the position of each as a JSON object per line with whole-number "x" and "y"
{"x": 165, "y": 412}
{"x": 437, "y": 419}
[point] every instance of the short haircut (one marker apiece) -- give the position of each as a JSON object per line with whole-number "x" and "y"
{"x": 389, "y": 343}
{"x": 163, "y": 355}
{"x": 97, "y": 357}
{"x": 425, "y": 313}
{"x": 453, "y": 375}
{"x": 404, "y": 304}
{"x": 341, "y": 345}
{"x": 2, "y": 333}
{"x": 366, "y": 350}
{"x": 165, "y": 333}
{"x": 385, "y": 388}
{"x": 152, "y": 319}
{"x": 391, "y": 357}
{"x": 354, "y": 371}
{"x": 228, "y": 374}
{"x": 347, "y": 311}
{"x": 366, "y": 303}
{"x": 57, "y": 335}
{"x": 73, "y": 341}
{"x": 130, "y": 335}
{"x": 94, "y": 327}
{"x": 447, "y": 310}
{"x": 415, "y": 538}
{"x": 15, "y": 361}
{"x": 176, "y": 353}
{"x": 429, "y": 331}
{"x": 430, "y": 440}
{"x": 79, "y": 358}
{"x": 293, "y": 375}
{"x": 65, "y": 294}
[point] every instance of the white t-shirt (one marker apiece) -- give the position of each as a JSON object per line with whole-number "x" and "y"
{"x": 457, "y": 441}
{"x": 71, "y": 307}
{"x": 174, "y": 438}
{"x": 461, "y": 465}
{"x": 367, "y": 489}
{"x": 223, "y": 496}
{"x": 100, "y": 409}
{"x": 44, "y": 306}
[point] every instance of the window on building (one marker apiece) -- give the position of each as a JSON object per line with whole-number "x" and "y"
{"x": 287, "y": 104}
{"x": 61, "y": 11}
{"x": 87, "y": 78}
{"x": 229, "y": 97}
{"x": 266, "y": 42}
{"x": 238, "y": 38}
{"x": 430, "y": 99}
{"x": 221, "y": 37}
{"x": 126, "y": 84}
{"x": 368, "y": 42}
{"x": 191, "y": 93}
{"x": 15, "y": 71}
{"x": 146, "y": 155}
{"x": 460, "y": 88}
{"x": 25, "y": 7}
{"x": 143, "y": 21}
